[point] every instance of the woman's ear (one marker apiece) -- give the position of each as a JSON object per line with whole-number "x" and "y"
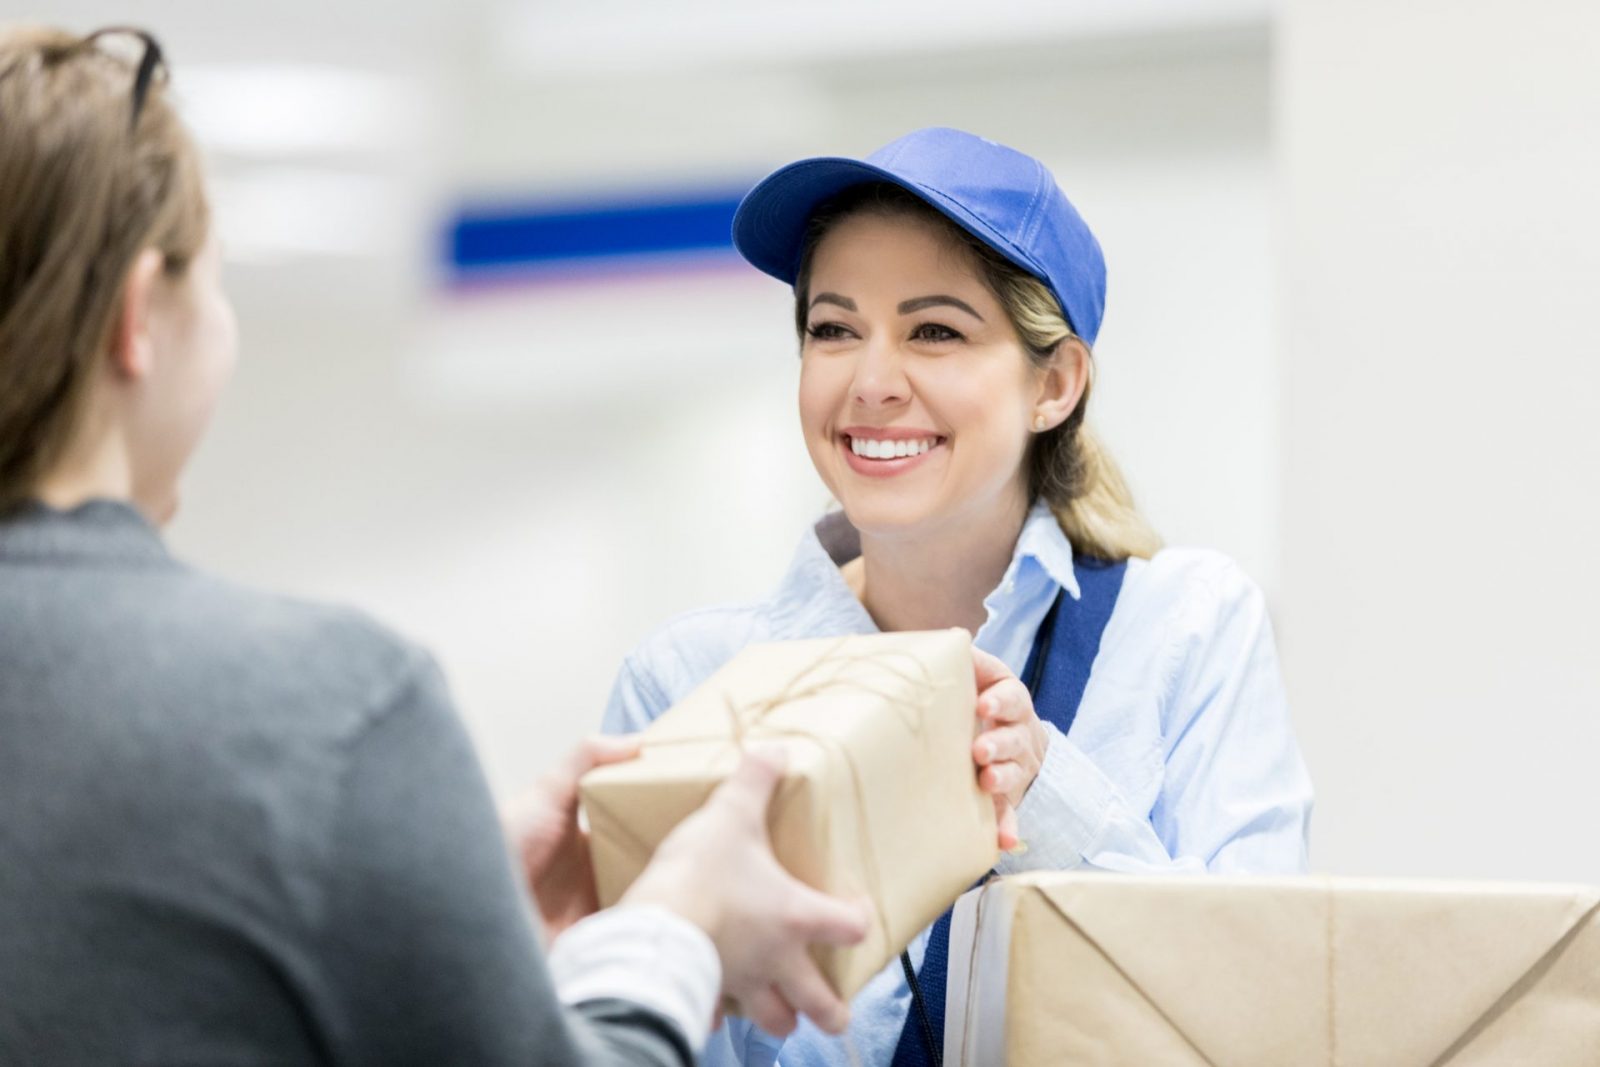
{"x": 1061, "y": 385}
{"x": 132, "y": 348}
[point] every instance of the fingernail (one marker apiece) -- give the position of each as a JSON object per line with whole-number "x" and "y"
{"x": 987, "y": 748}
{"x": 771, "y": 753}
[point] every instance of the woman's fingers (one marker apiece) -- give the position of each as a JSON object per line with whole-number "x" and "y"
{"x": 594, "y": 751}
{"x": 1006, "y": 701}
{"x": 598, "y": 750}
{"x": 1012, "y": 746}
{"x": 1008, "y": 760}
{"x": 768, "y": 1010}
{"x": 817, "y": 917}
{"x": 559, "y": 788}
{"x": 1005, "y": 817}
{"x": 999, "y": 746}
{"x": 717, "y": 870}
{"x": 1003, "y": 779}
{"x": 988, "y": 669}
{"x": 804, "y": 989}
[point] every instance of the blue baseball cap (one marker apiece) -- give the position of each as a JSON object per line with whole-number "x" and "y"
{"x": 1005, "y": 199}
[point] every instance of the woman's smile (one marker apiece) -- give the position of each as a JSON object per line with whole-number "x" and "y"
{"x": 883, "y": 452}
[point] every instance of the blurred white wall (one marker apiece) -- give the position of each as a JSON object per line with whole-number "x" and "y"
{"x": 1441, "y": 514}
{"x": 529, "y": 478}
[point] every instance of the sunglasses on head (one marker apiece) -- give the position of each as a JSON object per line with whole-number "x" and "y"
{"x": 126, "y": 42}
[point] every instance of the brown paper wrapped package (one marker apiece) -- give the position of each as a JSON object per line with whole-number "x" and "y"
{"x": 1095, "y": 970}
{"x": 879, "y": 798}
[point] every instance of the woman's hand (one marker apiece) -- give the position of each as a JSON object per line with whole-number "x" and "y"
{"x": 551, "y": 851}
{"x": 717, "y": 870}
{"x": 1010, "y": 748}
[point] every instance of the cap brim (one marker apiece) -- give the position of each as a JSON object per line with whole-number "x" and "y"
{"x": 769, "y": 228}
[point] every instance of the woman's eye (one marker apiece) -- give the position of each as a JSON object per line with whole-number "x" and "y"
{"x": 933, "y": 331}
{"x": 827, "y": 331}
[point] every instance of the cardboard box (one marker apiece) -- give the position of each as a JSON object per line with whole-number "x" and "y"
{"x": 1099, "y": 969}
{"x": 880, "y": 796}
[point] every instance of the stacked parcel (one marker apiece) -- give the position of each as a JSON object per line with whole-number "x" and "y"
{"x": 1094, "y": 970}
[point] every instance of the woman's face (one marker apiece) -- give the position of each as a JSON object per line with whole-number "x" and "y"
{"x": 194, "y": 338}
{"x": 916, "y": 394}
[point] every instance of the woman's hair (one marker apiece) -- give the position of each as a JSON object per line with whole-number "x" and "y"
{"x": 88, "y": 178}
{"x": 1067, "y": 467}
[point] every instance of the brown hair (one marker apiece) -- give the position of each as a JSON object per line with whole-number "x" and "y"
{"x": 86, "y": 182}
{"x": 1067, "y": 466}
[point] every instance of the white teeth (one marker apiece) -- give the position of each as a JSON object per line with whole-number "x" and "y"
{"x": 873, "y": 448}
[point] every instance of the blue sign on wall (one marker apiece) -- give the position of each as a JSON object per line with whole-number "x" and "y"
{"x": 498, "y": 240}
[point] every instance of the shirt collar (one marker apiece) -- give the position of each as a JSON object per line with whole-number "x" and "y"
{"x": 814, "y": 597}
{"x": 102, "y": 530}
{"x": 1044, "y": 545}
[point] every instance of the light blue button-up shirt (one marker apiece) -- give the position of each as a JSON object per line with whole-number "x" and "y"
{"x": 1181, "y": 758}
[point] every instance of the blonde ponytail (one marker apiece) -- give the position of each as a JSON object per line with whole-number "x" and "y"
{"x": 1101, "y": 521}
{"x": 1068, "y": 467}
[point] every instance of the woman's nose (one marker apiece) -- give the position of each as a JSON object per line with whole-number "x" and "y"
{"x": 880, "y": 376}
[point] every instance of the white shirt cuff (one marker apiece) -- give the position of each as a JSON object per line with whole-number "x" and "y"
{"x": 646, "y": 955}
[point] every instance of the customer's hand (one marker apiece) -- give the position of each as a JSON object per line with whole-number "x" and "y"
{"x": 551, "y": 851}
{"x": 1010, "y": 748}
{"x": 717, "y": 870}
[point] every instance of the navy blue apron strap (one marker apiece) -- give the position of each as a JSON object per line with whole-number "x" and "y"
{"x": 1057, "y": 672}
{"x": 1038, "y": 654}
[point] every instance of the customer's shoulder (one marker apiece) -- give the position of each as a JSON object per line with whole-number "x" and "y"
{"x": 313, "y": 653}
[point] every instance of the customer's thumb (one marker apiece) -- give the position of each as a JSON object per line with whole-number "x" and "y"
{"x": 749, "y": 789}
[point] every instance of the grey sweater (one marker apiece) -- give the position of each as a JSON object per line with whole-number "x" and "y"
{"x": 237, "y": 829}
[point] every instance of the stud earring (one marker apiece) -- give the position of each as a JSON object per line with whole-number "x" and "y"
{"x": 1038, "y": 424}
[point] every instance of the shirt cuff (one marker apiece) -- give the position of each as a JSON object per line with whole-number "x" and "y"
{"x": 646, "y": 955}
{"x": 1064, "y": 814}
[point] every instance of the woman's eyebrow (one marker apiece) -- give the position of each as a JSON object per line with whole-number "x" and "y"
{"x": 920, "y": 302}
{"x": 834, "y": 298}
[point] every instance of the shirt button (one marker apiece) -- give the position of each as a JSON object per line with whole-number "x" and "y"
{"x": 1010, "y": 586}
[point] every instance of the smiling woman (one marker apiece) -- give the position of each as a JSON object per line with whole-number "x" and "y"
{"x": 1064, "y": 464}
{"x": 946, "y": 296}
